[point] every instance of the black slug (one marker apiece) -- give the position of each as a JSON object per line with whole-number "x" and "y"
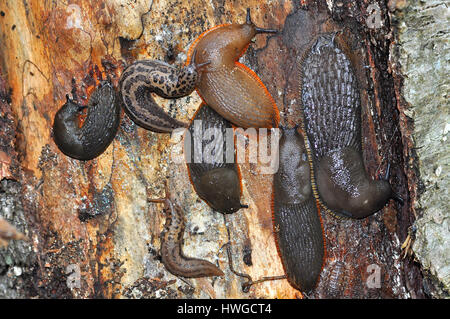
{"x": 172, "y": 255}
{"x": 215, "y": 177}
{"x": 297, "y": 222}
{"x": 142, "y": 78}
{"x": 98, "y": 130}
{"x": 331, "y": 108}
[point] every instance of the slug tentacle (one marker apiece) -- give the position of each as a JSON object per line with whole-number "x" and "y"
{"x": 227, "y": 86}
{"x": 331, "y": 110}
{"x": 98, "y": 130}
{"x": 297, "y": 221}
{"x": 211, "y": 162}
{"x": 172, "y": 255}
{"x": 142, "y": 78}
{"x": 248, "y": 21}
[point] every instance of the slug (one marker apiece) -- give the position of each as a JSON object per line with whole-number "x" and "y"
{"x": 8, "y": 232}
{"x": 230, "y": 88}
{"x": 98, "y": 130}
{"x": 297, "y": 222}
{"x": 331, "y": 110}
{"x": 336, "y": 278}
{"x": 216, "y": 180}
{"x": 142, "y": 78}
{"x": 172, "y": 255}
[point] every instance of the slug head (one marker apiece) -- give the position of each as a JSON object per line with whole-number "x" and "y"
{"x": 292, "y": 182}
{"x": 220, "y": 188}
{"x": 193, "y": 69}
{"x": 244, "y": 33}
{"x": 346, "y": 189}
{"x": 250, "y": 30}
{"x": 227, "y": 43}
{"x": 371, "y": 200}
{"x": 66, "y": 129}
{"x": 69, "y": 110}
{"x": 374, "y": 197}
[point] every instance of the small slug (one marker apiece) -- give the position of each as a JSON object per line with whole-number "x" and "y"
{"x": 172, "y": 255}
{"x": 216, "y": 180}
{"x": 297, "y": 222}
{"x": 98, "y": 130}
{"x": 230, "y": 88}
{"x": 142, "y": 78}
{"x": 331, "y": 108}
{"x": 336, "y": 279}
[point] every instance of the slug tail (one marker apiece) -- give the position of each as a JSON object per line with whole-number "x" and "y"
{"x": 254, "y": 76}
{"x": 216, "y": 181}
{"x": 298, "y": 224}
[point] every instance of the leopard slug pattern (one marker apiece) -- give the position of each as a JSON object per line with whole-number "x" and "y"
{"x": 142, "y": 78}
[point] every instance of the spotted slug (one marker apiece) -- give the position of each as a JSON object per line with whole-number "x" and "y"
{"x": 98, "y": 130}
{"x": 331, "y": 108}
{"x": 172, "y": 255}
{"x": 230, "y": 88}
{"x": 142, "y": 78}
{"x": 214, "y": 177}
{"x": 297, "y": 223}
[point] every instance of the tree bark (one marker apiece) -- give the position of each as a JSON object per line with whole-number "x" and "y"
{"x": 92, "y": 231}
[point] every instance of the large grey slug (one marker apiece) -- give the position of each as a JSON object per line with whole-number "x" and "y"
{"x": 98, "y": 130}
{"x": 172, "y": 255}
{"x": 142, "y": 78}
{"x": 215, "y": 180}
{"x": 297, "y": 222}
{"x": 331, "y": 108}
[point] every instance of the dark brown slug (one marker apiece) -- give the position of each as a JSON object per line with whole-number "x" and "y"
{"x": 230, "y": 88}
{"x": 214, "y": 175}
{"x": 172, "y": 255}
{"x": 331, "y": 108}
{"x": 98, "y": 130}
{"x": 297, "y": 221}
{"x": 142, "y": 78}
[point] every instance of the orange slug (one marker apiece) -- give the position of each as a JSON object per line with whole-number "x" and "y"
{"x": 230, "y": 88}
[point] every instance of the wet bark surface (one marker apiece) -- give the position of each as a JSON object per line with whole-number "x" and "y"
{"x": 92, "y": 232}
